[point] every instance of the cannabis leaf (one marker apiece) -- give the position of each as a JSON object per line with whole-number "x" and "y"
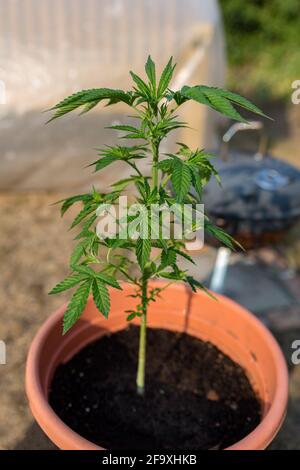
{"x": 124, "y": 128}
{"x": 68, "y": 283}
{"x": 141, "y": 86}
{"x": 76, "y": 305}
{"x": 143, "y": 249}
{"x": 101, "y": 296}
{"x": 78, "y": 252}
{"x": 165, "y": 78}
{"x": 87, "y": 210}
{"x": 198, "y": 285}
{"x": 151, "y": 74}
{"x": 68, "y": 202}
{"x": 123, "y": 153}
{"x": 220, "y": 100}
{"x": 168, "y": 258}
{"x": 183, "y": 254}
{"x": 108, "y": 280}
{"x": 222, "y": 236}
{"x": 89, "y": 99}
{"x": 181, "y": 179}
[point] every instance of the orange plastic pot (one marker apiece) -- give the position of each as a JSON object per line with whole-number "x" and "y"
{"x": 226, "y": 324}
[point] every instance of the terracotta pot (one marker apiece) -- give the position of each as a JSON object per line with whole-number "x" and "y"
{"x": 226, "y": 324}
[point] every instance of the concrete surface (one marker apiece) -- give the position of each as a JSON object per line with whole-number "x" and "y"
{"x": 34, "y": 248}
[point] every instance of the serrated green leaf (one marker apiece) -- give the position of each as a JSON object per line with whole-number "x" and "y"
{"x": 67, "y": 283}
{"x": 124, "y": 128}
{"x": 156, "y": 234}
{"x": 123, "y": 153}
{"x": 108, "y": 280}
{"x": 134, "y": 136}
{"x": 122, "y": 184}
{"x": 82, "y": 215}
{"x": 173, "y": 275}
{"x": 166, "y": 165}
{"x": 165, "y": 78}
{"x": 80, "y": 268}
{"x": 184, "y": 255}
{"x": 143, "y": 250}
{"x": 181, "y": 179}
{"x": 171, "y": 125}
{"x": 243, "y": 102}
{"x": 68, "y": 202}
{"x": 222, "y": 104}
{"x": 118, "y": 243}
{"x": 77, "y": 253}
{"x": 131, "y": 316}
{"x": 196, "y": 180}
{"x": 195, "y": 93}
{"x": 144, "y": 89}
{"x": 221, "y": 100}
{"x": 143, "y": 187}
{"x": 88, "y": 107}
{"x": 85, "y": 229}
{"x": 163, "y": 244}
{"x": 198, "y": 285}
{"x": 101, "y": 297}
{"x": 151, "y": 74}
{"x": 89, "y": 99}
{"x": 85, "y": 96}
{"x": 222, "y": 236}
{"x": 105, "y": 161}
{"x": 178, "y": 97}
{"x": 76, "y": 306}
{"x": 168, "y": 258}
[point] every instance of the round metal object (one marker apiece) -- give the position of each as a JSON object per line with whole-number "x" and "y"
{"x": 270, "y": 179}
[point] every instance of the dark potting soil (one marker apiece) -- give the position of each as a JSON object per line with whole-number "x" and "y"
{"x": 196, "y": 397}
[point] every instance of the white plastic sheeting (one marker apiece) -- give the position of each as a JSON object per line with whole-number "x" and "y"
{"x": 51, "y": 48}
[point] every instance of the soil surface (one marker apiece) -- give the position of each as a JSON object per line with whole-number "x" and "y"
{"x": 196, "y": 397}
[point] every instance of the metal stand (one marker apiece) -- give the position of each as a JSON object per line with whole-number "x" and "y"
{"x": 220, "y": 269}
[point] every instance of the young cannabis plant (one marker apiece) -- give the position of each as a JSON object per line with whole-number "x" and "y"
{"x": 175, "y": 179}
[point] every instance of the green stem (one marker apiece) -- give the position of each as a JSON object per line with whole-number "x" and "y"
{"x": 155, "y": 150}
{"x": 165, "y": 181}
{"x": 135, "y": 168}
{"x": 140, "y": 380}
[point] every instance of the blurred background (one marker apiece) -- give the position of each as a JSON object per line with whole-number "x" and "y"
{"x": 52, "y": 48}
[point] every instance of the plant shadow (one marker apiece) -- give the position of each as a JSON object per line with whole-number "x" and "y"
{"x": 34, "y": 439}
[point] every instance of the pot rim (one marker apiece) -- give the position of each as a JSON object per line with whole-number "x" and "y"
{"x": 51, "y": 423}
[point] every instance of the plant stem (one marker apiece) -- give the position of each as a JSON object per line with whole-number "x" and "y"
{"x": 140, "y": 380}
{"x": 155, "y": 148}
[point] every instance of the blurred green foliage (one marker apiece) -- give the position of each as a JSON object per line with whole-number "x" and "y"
{"x": 263, "y": 45}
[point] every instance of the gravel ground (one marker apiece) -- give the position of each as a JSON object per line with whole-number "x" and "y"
{"x": 34, "y": 250}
